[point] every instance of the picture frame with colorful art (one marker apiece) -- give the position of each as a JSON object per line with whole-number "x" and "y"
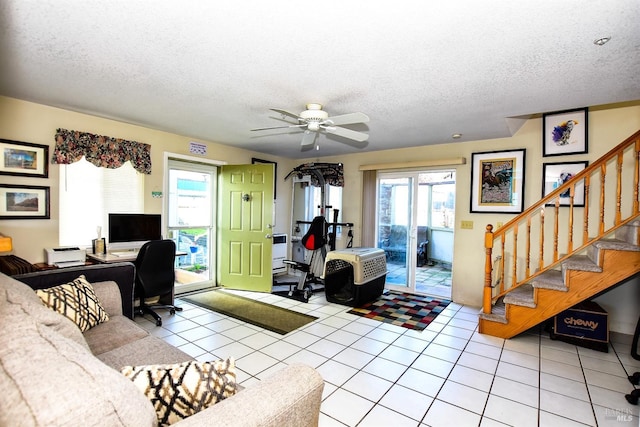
{"x": 497, "y": 181}
{"x": 24, "y": 202}
{"x": 23, "y": 159}
{"x": 565, "y": 132}
{"x": 556, "y": 174}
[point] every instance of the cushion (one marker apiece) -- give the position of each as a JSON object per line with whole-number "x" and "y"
{"x": 178, "y": 391}
{"x": 77, "y": 301}
{"x": 49, "y": 380}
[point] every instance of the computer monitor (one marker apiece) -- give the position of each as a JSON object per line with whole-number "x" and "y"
{"x": 131, "y": 231}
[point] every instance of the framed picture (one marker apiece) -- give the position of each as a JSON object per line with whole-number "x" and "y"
{"x": 497, "y": 181}
{"x": 275, "y": 171}
{"x": 24, "y": 202}
{"x": 556, "y": 174}
{"x": 565, "y": 132}
{"x": 24, "y": 159}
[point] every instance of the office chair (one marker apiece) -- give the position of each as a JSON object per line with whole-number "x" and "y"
{"x": 314, "y": 240}
{"x": 155, "y": 276}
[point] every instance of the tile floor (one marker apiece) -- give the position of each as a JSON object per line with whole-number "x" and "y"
{"x": 448, "y": 375}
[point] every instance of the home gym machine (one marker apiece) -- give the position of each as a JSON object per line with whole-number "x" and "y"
{"x": 319, "y": 239}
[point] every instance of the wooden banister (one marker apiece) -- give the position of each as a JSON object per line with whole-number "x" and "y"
{"x": 563, "y": 218}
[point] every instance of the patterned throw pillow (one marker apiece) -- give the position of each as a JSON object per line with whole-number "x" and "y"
{"x": 178, "y": 391}
{"x": 77, "y": 301}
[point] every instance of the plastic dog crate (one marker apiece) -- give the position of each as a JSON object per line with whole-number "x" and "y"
{"x": 354, "y": 276}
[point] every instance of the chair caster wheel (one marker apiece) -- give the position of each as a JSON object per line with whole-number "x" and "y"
{"x": 178, "y": 308}
{"x": 158, "y": 322}
{"x": 635, "y": 378}
{"x": 172, "y": 311}
{"x": 306, "y": 294}
{"x": 633, "y": 397}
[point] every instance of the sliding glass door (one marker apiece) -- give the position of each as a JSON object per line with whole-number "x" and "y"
{"x": 414, "y": 226}
{"x": 396, "y": 228}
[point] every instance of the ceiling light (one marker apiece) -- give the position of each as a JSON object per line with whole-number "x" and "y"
{"x": 601, "y": 41}
{"x": 456, "y": 136}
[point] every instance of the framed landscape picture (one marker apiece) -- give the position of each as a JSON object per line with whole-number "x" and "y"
{"x": 497, "y": 181}
{"x": 556, "y": 174}
{"x": 23, "y": 159}
{"x": 24, "y": 202}
{"x": 565, "y": 132}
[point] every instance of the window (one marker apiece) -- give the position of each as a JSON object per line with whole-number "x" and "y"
{"x": 87, "y": 195}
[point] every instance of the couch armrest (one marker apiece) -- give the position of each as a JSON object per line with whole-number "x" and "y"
{"x": 122, "y": 273}
{"x": 291, "y": 397}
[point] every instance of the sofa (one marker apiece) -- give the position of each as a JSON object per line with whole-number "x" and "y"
{"x": 51, "y": 373}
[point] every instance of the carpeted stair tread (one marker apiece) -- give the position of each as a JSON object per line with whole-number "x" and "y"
{"x": 580, "y": 263}
{"x": 522, "y": 295}
{"x": 551, "y": 279}
{"x": 616, "y": 244}
{"x": 498, "y": 313}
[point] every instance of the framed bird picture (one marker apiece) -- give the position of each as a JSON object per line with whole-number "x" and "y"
{"x": 565, "y": 132}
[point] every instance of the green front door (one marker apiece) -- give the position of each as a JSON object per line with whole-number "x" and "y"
{"x": 244, "y": 223}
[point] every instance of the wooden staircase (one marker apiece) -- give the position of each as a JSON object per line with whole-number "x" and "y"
{"x": 568, "y": 269}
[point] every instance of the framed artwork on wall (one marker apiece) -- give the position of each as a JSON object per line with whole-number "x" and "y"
{"x": 565, "y": 132}
{"x": 24, "y": 159}
{"x": 556, "y": 174}
{"x": 497, "y": 181}
{"x": 24, "y": 202}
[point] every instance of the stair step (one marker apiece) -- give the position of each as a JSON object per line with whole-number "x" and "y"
{"x": 580, "y": 263}
{"x": 629, "y": 233}
{"x": 498, "y": 313}
{"x": 522, "y": 295}
{"x": 552, "y": 279}
{"x": 616, "y": 244}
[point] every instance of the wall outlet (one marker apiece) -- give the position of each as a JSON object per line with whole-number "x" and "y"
{"x": 466, "y": 225}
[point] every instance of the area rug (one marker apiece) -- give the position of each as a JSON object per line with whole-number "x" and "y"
{"x": 406, "y": 310}
{"x": 270, "y": 317}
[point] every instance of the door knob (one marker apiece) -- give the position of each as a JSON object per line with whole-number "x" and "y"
{"x": 268, "y": 236}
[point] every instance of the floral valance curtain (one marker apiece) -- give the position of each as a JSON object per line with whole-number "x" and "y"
{"x": 331, "y": 172}
{"x": 101, "y": 151}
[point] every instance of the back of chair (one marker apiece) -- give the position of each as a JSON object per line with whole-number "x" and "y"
{"x": 155, "y": 270}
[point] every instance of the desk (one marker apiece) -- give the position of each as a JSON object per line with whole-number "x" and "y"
{"x": 111, "y": 258}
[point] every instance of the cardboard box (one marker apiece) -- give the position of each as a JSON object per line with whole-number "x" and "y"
{"x": 584, "y": 324}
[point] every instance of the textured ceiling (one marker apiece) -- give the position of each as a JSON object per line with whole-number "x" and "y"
{"x": 421, "y": 70}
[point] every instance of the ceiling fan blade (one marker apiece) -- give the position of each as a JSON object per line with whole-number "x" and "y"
{"x": 309, "y": 138}
{"x": 346, "y": 133}
{"x": 347, "y": 119}
{"x": 281, "y": 127}
{"x": 286, "y": 113}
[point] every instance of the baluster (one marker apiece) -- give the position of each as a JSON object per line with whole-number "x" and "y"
{"x": 572, "y": 190}
{"x": 515, "y": 254}
{"x": 487, "y": 291}
{"x": 636, "y": 179}
{"x": 619, "y": 189}
{"x": 555, "y": 229}
{"x": 603, "y": 173}
{"x": 585, "y": 230}
{"x": 541, "y": 261}
{"x": 501, "y": 272}
{"x": 528, "y": 255}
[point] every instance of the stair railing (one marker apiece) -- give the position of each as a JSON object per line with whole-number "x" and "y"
{"x": 518, "y": 262}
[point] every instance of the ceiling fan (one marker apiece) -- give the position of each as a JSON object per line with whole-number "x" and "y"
{"x": 315, "y": 120}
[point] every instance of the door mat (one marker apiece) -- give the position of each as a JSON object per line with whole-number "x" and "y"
{"x": 406, "y": 310}
{"x": 267, "y": 316}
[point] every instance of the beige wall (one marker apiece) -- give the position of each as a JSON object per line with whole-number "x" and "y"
{"x": 35, "y": 123}
{"x": 29, "y": 122}
{"x": 607, "y": 128}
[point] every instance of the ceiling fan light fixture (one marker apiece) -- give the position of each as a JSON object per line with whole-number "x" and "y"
{"x": 456, "y": 136}
{"x": 601, "y": 41}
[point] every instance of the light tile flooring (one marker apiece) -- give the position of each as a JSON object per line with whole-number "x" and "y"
{"x": 448, "y": 375}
